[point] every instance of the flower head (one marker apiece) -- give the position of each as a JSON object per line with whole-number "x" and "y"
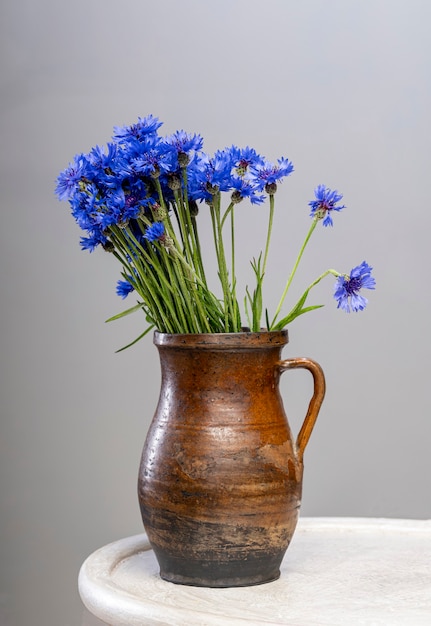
{"x": 91, "y": 242}
{"x": 124, "y": 288}
{"x": 244, "y": 159}
{"x": 325, "y": 203}
{"x": 183, "y": 144}
{"x": 267, "y": 175}
{"x": 68, "y": 181}
{"x": 243, "y": 188}
{"x": 151, "y": 162}
{"x": 347, "y": 288}
{"x": 209, "y": 175}
{"x": 103, "y": 164}
{"x": 155, "y": 232}
{"x": 139, "y": 131}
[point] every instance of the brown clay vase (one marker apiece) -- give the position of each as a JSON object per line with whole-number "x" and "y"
{"x": 220, "y": 478}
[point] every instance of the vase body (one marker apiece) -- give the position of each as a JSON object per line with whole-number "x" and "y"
{"x": 220, "y": 477}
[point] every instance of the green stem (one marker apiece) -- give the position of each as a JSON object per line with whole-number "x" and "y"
{"x": 222, "y": 266}
{"x": 175, "y": 279}
{"x": 192, "y": 230}
{"x": 184, "y": 228}
{"x": 199, "y": 252}
{"x": 152, "y": 305}
{"x": 295, "y": 267}
{"x": 317, "y": 281}
{"x": 199, "y": 290}
{"x": 203, "y": 325}
{"x": 268, "y": 235}
{"x": 146, "y": 284}
{"x": 233, "y": 270}
{"x": 160, "y": 194}
{"x": 226, "y": 213}
{"x": 152, "y": 262}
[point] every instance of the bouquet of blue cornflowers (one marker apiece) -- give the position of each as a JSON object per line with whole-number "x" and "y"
{"x": 138, "y": 199}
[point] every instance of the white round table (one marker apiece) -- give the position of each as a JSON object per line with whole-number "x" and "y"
{"x": 336, "y": 572}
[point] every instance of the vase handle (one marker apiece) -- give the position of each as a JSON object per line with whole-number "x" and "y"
{"x": 316, "y": 400}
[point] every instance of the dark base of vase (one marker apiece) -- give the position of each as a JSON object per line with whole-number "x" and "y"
{"x": 219, "y": 583}
{"x": 252, "y": 570}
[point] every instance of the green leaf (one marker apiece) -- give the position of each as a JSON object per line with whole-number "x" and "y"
{"x": 256, "y": 300}
{"x": 293, "y": 315}
{"x": 247, "y": 314}
{"x": 127, "y": 312}
{"x": 136, "y": 340}
{"x": 297, "y": 310}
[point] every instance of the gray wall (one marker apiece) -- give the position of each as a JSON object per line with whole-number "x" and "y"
{"x": 343, "y": 89}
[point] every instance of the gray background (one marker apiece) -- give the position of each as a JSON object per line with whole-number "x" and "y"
{"x": 343, "y": 89}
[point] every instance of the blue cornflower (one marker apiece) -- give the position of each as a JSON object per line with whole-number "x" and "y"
{"x": 152, "y": 162}
{"x": 219, "y": 170}
{"x": 120, "y": 207}
{"x": 95, "y": 239}
{"x": 244, "y": 159}
{"x": 133, "y": 205}
{"x": 155, "y": 232}
{"x": 139, "y": 131}
{"x": 182, "y": 144}
{"x": 90, "y": 211}
{"x": 104, "y": 165}
{"x": 100, "y": 159}
{"x": 267, "y": 174}
{"x": 243, "y": 188}
{"x": 325, "y": 202}
{"x": 68, "y": 181}
{"x": 346, "y": 290}
{"x": 207, "y": 176}
{"x": 124, "y": 288}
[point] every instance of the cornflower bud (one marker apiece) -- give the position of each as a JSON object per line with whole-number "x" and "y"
{"x": 236, "y": 197}
{"x": 159, "y": 212}
{"x": 193, "y": 207}
{"x": 183, "y": 159}
{"x": 174, "y": 182}
{"x": 108, "y": 246}
{"x": 271, "y": 188}
{"x": 212, "y": 189}
{"x": 167, "y": 242}
{"x": 156, "y": 172}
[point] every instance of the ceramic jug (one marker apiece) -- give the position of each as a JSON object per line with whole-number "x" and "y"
{"x": 220, "y": 478}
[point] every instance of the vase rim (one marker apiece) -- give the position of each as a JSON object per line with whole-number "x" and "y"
{"x": 242, "y": 339}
